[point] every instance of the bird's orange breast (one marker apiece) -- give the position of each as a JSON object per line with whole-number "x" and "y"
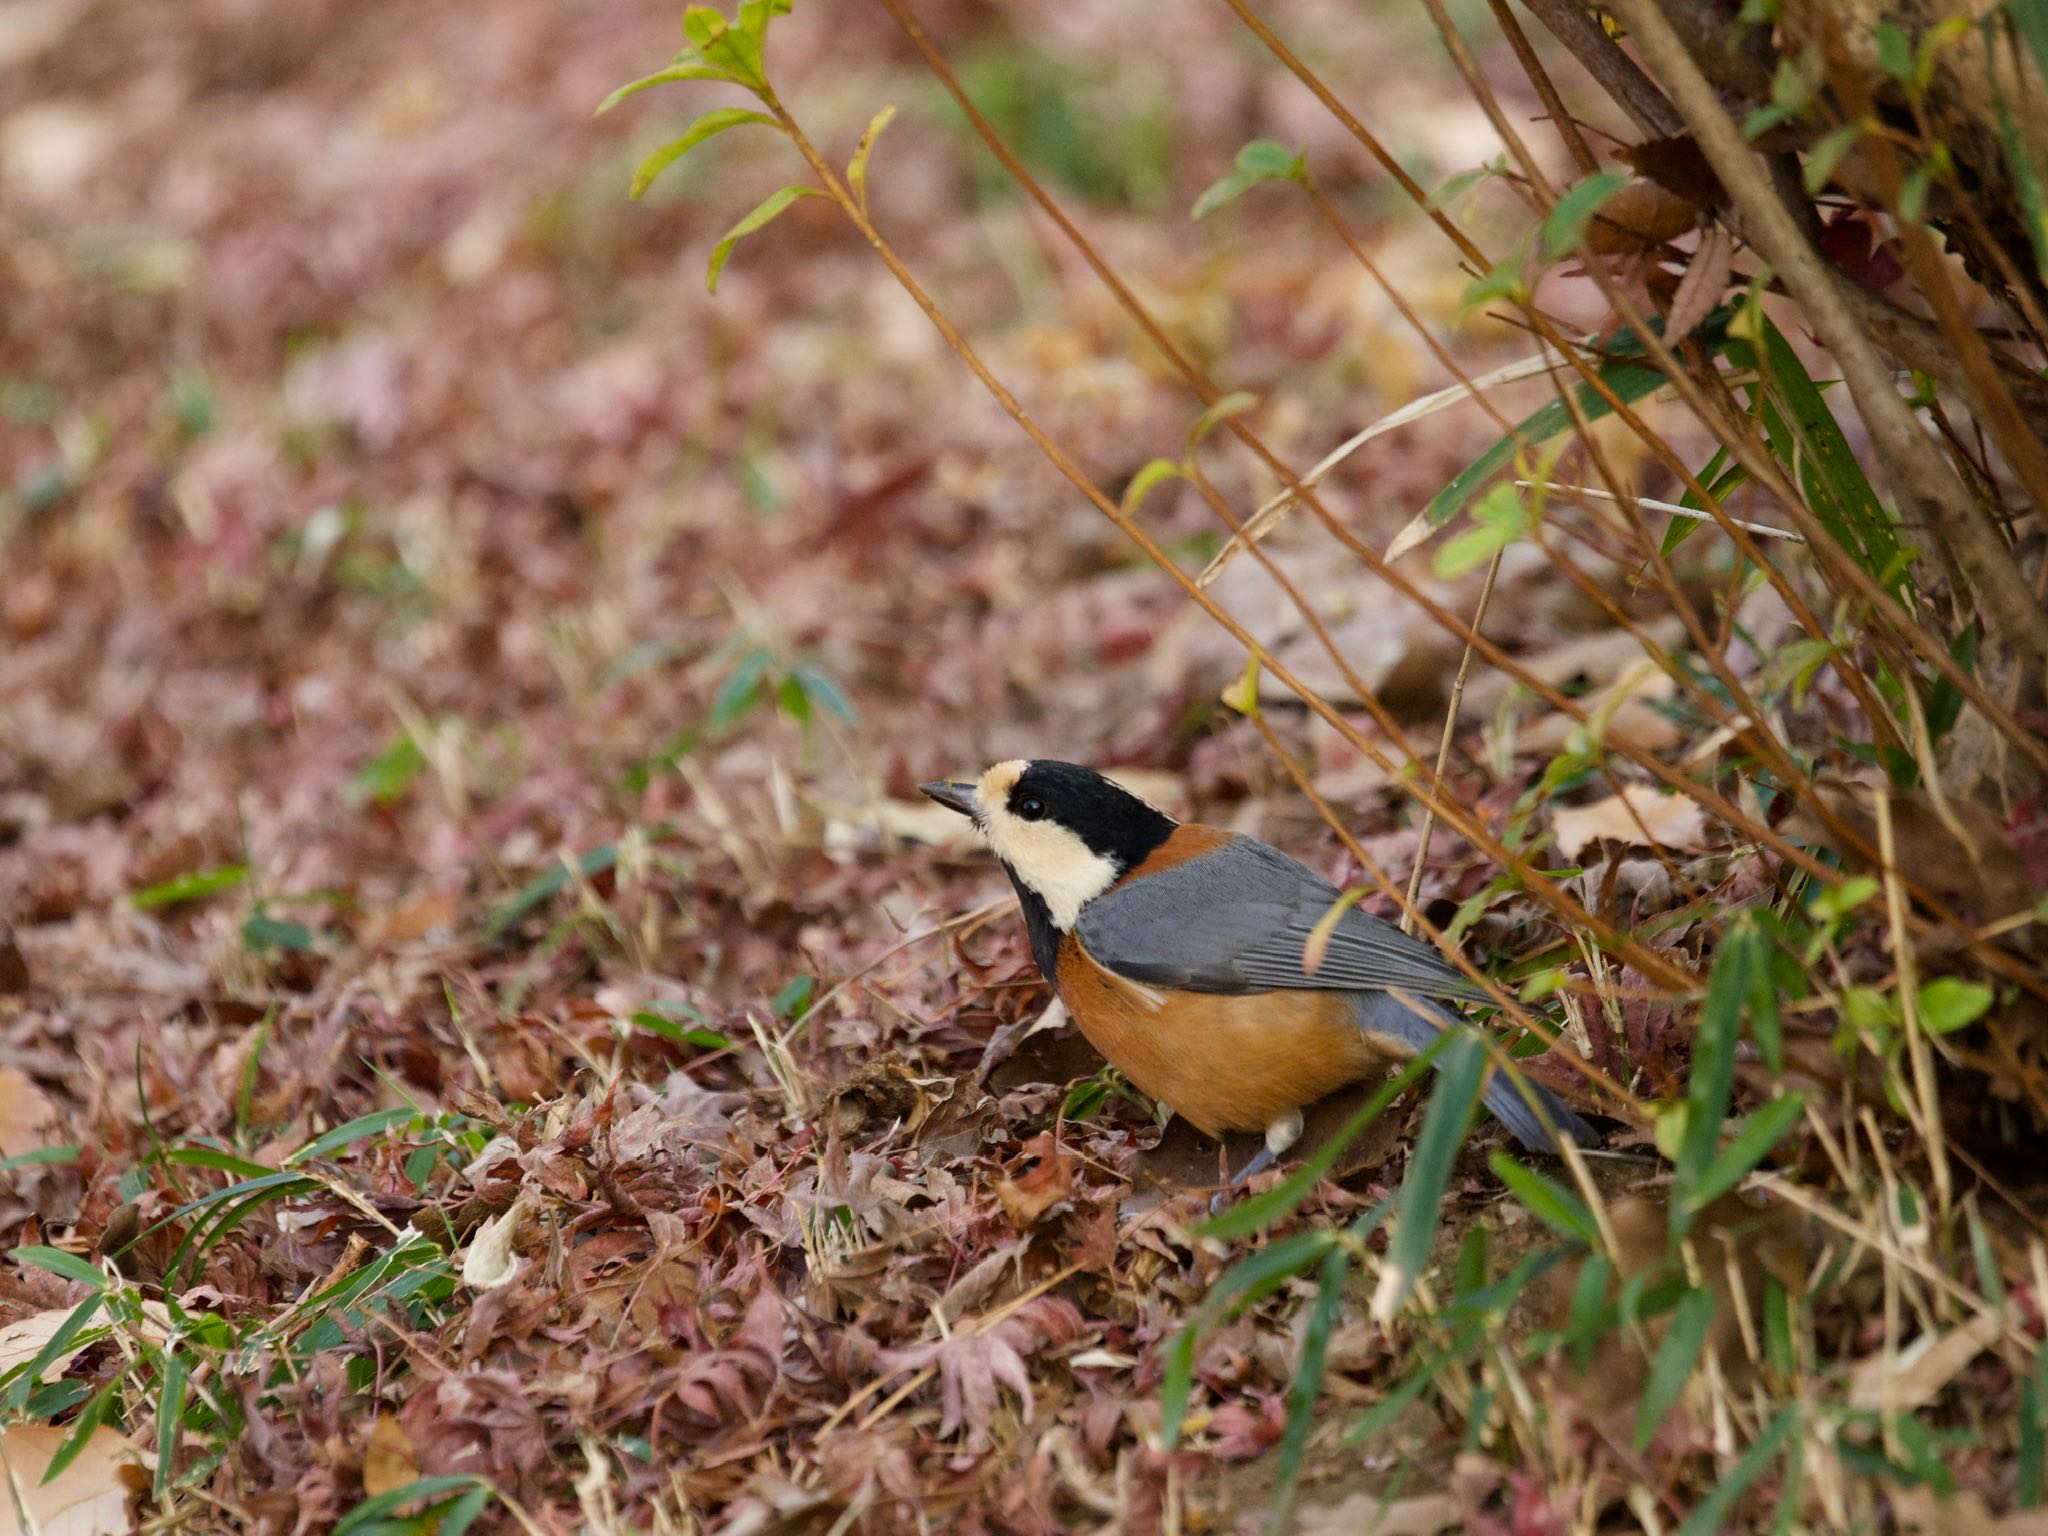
{"x": 1222, "y": 1062}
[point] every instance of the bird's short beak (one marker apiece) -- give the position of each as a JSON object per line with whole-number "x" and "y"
{"x": 954, "y": 797}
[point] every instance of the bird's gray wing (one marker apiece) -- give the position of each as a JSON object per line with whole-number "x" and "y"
{"x": 1237, "y": 919}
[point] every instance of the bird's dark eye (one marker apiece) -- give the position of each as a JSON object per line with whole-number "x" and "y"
{"x": 1031, "y": 808}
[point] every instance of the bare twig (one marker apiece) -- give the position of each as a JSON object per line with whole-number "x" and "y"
{"x": 1921, "y": 473}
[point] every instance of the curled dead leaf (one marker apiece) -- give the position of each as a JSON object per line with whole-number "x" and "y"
{"x": 490, "y": 1261}
{"x": 1026, "y": 1199}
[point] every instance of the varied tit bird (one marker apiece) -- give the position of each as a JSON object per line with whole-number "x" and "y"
{"x": 1178, "y": 950}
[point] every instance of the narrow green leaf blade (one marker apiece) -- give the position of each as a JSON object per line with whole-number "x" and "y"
{"x": 1672, "y": 1365}
{"x": 1711, "y": 1513}
{"x": 58, "y": 1262}
{"x": 1760, "y": 1132}
{"x": 768, "y": 209}
{"x": 1564, "y": 231}
{"x": 1461, "y": 1073}
{"x": 1556, "y": 1206}
{"x": 693, "y": 69}
{"x": 1629, "y": 381}
{"x": 709, "y": 126}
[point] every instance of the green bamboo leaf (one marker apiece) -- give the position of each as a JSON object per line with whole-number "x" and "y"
{"x": 709, "y": 126}
{"x": 764, "y": 212}
{"x": 1564, "y": 231}
{"x": 1712, "y": 1078}
{"x": 1827, "y": 154}
{"x": 91, "y": 1418}
{"x": 857, "y": 167}
{"x": 1590, "y": 1316}
{"x": 1760, "y": 1132}
{"x": 1629, "y": 379}
{"x": 686, "y": 67}
{"x": 1829, "y": 473}
{"x": 1176, "y": 1380}
{"x": 170, "y": 1414}
{"x": 370, "y": 1514}
{"x": 373, "y": 1124}
{"x": 40, "y": 1155}
{"x": 545, "y": 884}
{"x": 1259, "y": 161}
{"x": 1236, "y": 403}
{"x": 1383, "y": 1413}
{"x": 1672, "y": 1365}
{"x": 1556, "y": 1206}
{"x": 1461, "y": 1073}
{"x": 58, "y": 1262}
{"x": 58, "y": 1345}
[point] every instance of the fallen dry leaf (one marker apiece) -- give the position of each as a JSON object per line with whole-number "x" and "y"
{"x": 89, "y": 1497}
{"x": 429, "y": 912}
{"x": 1915, "y": 1376}
{"x": 1639, "y": 815}
{"x": 26, "y": 1113}
{"x": 1423, "y": 1514}
{"x": 1920, "y": 1513}
{"x": 388, "y": 1460}
{"x": 1027, "y": 1199}
{"x": 490, "y": 1261}
{"x": 21, "y": 1341}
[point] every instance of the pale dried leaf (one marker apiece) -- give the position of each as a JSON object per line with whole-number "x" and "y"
{"x": 388, "y": 1461}
{"x": 26, "y": 1113}
{"x": 1915, "y": 1376}
{"x": 90, "y": 1497}
{"x": 1920, "y": 1513}
{"x": 490, "y": 1261}
{"x": 1639, "y": 815}
{"x": 1425, "y": 1514}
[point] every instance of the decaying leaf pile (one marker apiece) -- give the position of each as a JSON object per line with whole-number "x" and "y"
{"x": 486, "y": 1026}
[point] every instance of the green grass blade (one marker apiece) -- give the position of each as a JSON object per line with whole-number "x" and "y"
{"x": 1760, "y": 1132}
{"x": 1712, "y": 1079}
{"x": 1556, "y": 1206}
{"x": 170, "y": 1411}
{"x": 373, "y": 1510}
{"x": 58, "y": 1262}
{"x": 1452, "y": 1102}
{"x": 1629, "y": 381}
{"x": 1711, "y": 1513}
{"x": 25, "y": 1378}
{"x": 355, "y": 1130}
{"x": 1672, "y": 1365}
{"x": 90, "y": 1418}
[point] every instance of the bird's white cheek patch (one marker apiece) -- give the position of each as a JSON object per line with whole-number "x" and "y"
{"x": 1065, "y": 872}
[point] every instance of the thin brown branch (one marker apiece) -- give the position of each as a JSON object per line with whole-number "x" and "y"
{"x": 1920, "y": 471}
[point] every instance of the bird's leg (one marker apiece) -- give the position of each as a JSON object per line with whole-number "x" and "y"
{"x": 1280, "y": 1135}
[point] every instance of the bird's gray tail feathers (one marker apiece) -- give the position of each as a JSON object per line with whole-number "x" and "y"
{"x": 1406, "y": 1025}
